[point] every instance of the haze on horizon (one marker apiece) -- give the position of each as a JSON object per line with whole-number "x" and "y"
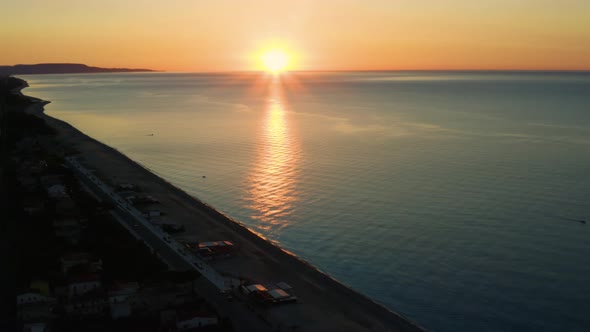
{"x": 225, "y": 35}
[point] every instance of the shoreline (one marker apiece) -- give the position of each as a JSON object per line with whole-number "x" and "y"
{"x": 268, "y": 259}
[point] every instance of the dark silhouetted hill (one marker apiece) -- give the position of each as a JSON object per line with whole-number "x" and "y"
{"x": 61, "y": 68}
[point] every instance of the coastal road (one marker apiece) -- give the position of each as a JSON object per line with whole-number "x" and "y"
{"x": 172, "y": 253}
{"x": 175, "y": 255}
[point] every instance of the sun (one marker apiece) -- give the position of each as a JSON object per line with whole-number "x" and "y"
{"x": 275, "y": 61}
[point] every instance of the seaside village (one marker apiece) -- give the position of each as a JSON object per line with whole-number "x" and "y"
{"x": 80, "y": 269}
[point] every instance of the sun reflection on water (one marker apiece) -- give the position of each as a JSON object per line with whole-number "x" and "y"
{"x": 273, "y": 180}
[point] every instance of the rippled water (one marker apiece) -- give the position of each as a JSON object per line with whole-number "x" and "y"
{"x": 444, "y": 196}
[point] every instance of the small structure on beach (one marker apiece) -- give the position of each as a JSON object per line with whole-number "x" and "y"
{"x": 215, "y": 248}
{"x": 126, "y": 187}
{"x": 268, "y": 295}
{"x": 141, "y": 199}
{"x": 153, "y": 213}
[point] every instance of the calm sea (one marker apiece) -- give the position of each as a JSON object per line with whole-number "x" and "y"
{"x": 448, "y": 197}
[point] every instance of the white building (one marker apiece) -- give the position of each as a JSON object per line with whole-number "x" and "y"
{"x": 70, "y": 260}
{"x": 28, "y": 298}
{"x": 83, "y": 284}
{"x": 35, "y": 327}
{"x": 119, "y": 299}
{"x": 57, "y": 191}
{"x": 91, "y": 303}
{"x": 195, "y": 319}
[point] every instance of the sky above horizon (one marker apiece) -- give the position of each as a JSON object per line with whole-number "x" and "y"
{"x": 224, "y": 35}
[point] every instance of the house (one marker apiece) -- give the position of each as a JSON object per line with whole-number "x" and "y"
{"x": 194, "y": 319}
{"x": 33, "y": 307}
{"x": 152, "y": 214}
{"x": 35, "y": 312}
{"x": 284, "y": 286}
{"x": 27, "y": 183}
{"x": 280, "y": 296}
{"x": 38, "y": 167}
{"x": 126, "y": 187}
{"x": 141, "y": 199}
{"x": 121, "y": 291}
{"x": 127, "y": 193}
{"x": 81, "y": 284}
{"x": 269, "y": 295}
{"x": 41, "y": 287}
{"x": 29, "y": 298}
{"x": 65, "y": 206}
{"x": 172, "y": 228}
{"x": 92, "y": 303}
{"x": 187, "y": 317}
{"x": 51, "y": 180}
{"x": 215, "y": 248}
{"x": 25, "y": 145}
{"x": 68, "y": 229}
{"x": 88, "y": 262}
{"x": 151, "y": 300}
{"x": 253, "y": 288}
{"x": 35, "y": 327}
{"x": 119, "y": 299}
{"x": 33, "y": 206}
{"x": 57, "y": 191}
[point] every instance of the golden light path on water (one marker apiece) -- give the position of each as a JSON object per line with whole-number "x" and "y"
{"x": 273, "y": 180}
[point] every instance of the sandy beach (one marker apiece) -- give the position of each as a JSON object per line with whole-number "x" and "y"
{"x": 324, "y": 304}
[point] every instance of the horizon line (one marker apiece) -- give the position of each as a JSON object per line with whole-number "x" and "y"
{"x": 475, "y": 70}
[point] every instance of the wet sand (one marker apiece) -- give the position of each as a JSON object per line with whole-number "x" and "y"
{"x": 324, "y": 304}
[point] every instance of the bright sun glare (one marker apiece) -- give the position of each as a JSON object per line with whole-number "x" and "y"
{"x": 275, "y": 61}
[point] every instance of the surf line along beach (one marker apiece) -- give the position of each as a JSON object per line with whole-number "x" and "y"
{"x": 323, "y": 304}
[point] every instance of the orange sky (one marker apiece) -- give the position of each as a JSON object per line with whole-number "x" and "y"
{"x": 222, "y": 35}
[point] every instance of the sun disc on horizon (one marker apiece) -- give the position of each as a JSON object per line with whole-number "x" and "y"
{"x": 275, "y": 61}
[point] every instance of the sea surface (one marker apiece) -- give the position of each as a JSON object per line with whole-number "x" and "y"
{"x": 449, "y": 197}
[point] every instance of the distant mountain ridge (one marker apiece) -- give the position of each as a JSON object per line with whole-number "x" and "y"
{"x": 62, "y": 68}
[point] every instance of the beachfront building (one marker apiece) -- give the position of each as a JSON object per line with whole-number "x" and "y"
{"x": 57, "y": 191}
{"x": 33, "y": 205}
{"x": 120, "y": 297}
{"x": 67, "y": 229}
{"x": 50, "y": 180}
{"x": 40, "y": 286}
{"x": 152, "y": 300}
{"x": 187, "y": 317}
{"x": 126, "y": 187}
{"x": 215, "y": 248}
{"x": 196, "y": 319}
{"x": 89, "y": 304}
{"x": 35, "y": 327}
{"x": 81, "y": 284}
{"x": 28, "y": 183}
{"x": 269, "y": 295}
{"x": 85, "y": 261}
{"x": 29, "y": 298}
{"x": 33, "y": 307}
{"x": 66, "y": 206}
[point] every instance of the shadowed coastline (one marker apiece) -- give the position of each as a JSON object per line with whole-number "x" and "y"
{"x": 62, "y": 68}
